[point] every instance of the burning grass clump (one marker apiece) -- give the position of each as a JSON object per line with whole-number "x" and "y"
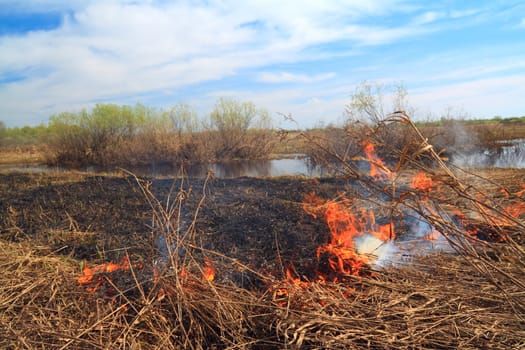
{"x": 43, "y": 306}
{"x": 478, "y": 283}
{"x": 437, "y": 302}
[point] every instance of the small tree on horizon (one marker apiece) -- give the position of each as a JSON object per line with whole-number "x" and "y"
{"x": 237, "y": 124}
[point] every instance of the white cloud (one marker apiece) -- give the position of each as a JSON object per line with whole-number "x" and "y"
{"x": 428, "y": 17}
{"x": 117, "y": 50}
{"x": 286, "y": 77}
{"x": 109, "y": 49}
{"x": 479, "y": 97}
{"x": 481, "y": 69}
{"x": 464, "y": 13}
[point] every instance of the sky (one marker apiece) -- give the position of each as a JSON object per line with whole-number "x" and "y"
{"x": 303, "y": 59}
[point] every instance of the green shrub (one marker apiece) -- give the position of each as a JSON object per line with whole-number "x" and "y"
{"x": 123, "y": 135}
{"x": 96, "y": 137}
{"x": 242, "y": 130}
{"x": 23, "y": 136}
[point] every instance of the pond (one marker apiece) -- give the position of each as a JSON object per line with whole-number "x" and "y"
{"x": 233, "y": 169}
{"x": 510, "y": 155}
{"x": 297, "y": 166}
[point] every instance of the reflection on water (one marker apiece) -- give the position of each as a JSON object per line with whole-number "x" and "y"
{"x": 510, "y": 155}
{"x": 233, "y": 169}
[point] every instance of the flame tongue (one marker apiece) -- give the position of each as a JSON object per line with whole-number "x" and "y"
{"x": 346, "y": 228}
{"x": 422, "y": 182}
{"x": 208, "y": 270}
{"x": 378, "y": 170}
{"x": 94, "y": 278}
{"x": 88, "y": 273}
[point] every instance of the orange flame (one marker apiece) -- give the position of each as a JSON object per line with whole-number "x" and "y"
{"x": 89, "y": 273}
{"x": 344, "y": 227}
{"x": 208, "y": 270}
{"x": 94, "y": 277}
{"x": 378, "y": 169}
{"x": 514, "y": 211}
{"x": 422, "y": 182}
{"x": 433, "y": 236}
{"x": 522, "y": 191}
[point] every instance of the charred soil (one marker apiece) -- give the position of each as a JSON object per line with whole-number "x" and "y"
{"x": 91, "y": 217}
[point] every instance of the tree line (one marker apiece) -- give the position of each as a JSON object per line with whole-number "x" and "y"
{"x": 119, "y": 134}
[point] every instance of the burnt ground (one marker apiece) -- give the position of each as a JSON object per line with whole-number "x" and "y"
{"x": 260, "y": 222}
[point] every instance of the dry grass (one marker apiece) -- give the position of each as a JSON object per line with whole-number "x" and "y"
{"x": 15, "y": 156}
{"x": 471, "y": 299}
{"x": 42, "y": 306}
{"x": 439, "y": 302}
{"x": 40, "y": 302}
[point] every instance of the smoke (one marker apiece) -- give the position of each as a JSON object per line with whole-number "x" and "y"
{"x": 377, "y": 251}
{"x": 462, "y": 146}
{"x": 467, "y": 150}
{"x": 477, "y": 159}
{"x": 420, "y": 227}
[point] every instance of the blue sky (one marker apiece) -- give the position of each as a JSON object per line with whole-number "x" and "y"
{"x": 303, "y": 58}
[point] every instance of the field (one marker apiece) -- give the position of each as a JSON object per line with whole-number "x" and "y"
{"x": 115, "y": 261}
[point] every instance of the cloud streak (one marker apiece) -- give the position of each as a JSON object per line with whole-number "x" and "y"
{"x": 286, "y": 77}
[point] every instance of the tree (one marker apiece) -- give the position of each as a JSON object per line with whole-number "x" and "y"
{"x": 374, "y": 101}
{"x": 233, "y": 120}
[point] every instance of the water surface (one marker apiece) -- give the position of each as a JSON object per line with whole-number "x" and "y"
{"x": 510, "y": 155}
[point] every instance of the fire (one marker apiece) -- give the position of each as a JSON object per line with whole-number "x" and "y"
{"x": 89, "y": 273}
{"x": 433, "y": 236}
{"x": 95, "y": 277}
{"x": 378, "y": 169}
{"x": 512, "y": 211}
{"x": 522, "y": 191}
{"x": 515, "y": 210}
{"x": 208, "y": 270}
{"x": 356, "y": 240}
{"x": 345, "y": 226}
{"x": 422, "y": 182}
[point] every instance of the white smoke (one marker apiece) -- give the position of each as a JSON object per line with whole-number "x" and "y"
{"x": 419, "y": 227}
{"x": 378, "y": 252}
